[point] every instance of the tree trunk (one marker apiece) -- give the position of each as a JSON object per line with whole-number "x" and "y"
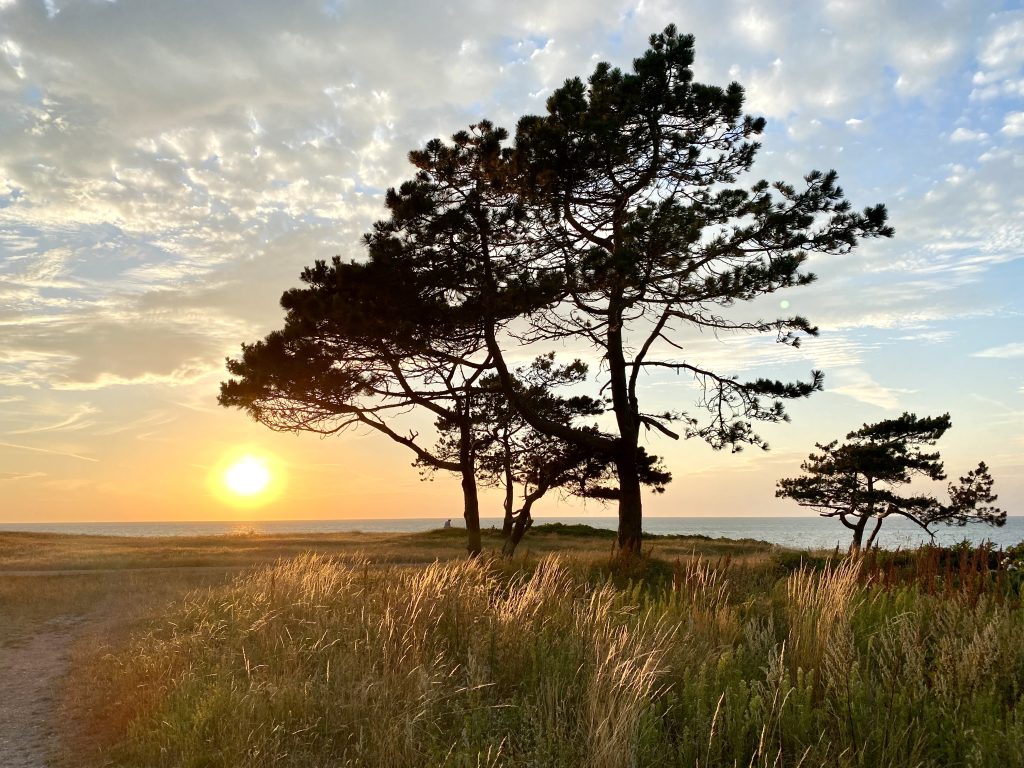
{"x": 874, "y": 533}
{"x": 858, "y": 533}
{"x": 523, "y": 521}
{"x": 626, "y": 418}
{"x": 472, "y": 514}
{"x": 510, "y": 498}
{"x": 472, "y": 503}
{"x": 507, "y": 525}
{"x": 630, "y": 503}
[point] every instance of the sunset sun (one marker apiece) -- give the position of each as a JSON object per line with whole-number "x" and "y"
{"x": 248, "y": 476}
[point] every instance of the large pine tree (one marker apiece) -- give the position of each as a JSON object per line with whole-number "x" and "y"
{"x": 616, "y": 222}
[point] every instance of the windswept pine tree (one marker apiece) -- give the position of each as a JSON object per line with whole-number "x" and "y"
{"x": 615, "y": 222}
{"x": 858, "y": 481}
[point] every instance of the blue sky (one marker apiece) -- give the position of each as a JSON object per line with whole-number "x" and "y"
{"x": 168, "y": 168}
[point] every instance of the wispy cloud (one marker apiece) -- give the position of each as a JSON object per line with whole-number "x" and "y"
{"x": 12, "y": 476}
{"x": 51, "y": 451}
{"x": 859, "y": 385}
{"x": 147, "y": 422}
{"x": 1006, "y": 351}
{"x": 928, "y": 337}
{"x": 77, "y": 420}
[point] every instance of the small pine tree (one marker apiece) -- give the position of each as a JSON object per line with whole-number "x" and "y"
{"x": 857, "y": 481}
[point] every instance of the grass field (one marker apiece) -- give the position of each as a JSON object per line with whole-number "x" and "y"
{"x": 362, "y": 651}
{"x": 45, "y": 551}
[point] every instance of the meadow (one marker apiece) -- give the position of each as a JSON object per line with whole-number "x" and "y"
{"x": 393, "y": 650}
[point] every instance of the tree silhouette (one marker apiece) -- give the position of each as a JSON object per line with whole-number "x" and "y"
{"x": 613, "y": 221}
{"x": 857, "y": 481}
{"x": 362, "y": 344}
{"x": 507, "y": 448}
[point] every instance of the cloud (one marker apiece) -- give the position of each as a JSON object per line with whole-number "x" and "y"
{"x": 12, "y": 476}
{"x": 1013, "y": 124}
{"x": 859, "y": 385}
{"x": 51, "y": 451}
{"x": 155, "y": 153}
{"x": 928, "y": 337}
{"x": 90, "y": 351}
{"x": 1000, "y": 71}
{"x": 148, "y": 422}
{"x": 966, "y": 134}
{"x": 1004, "y": 352}
{"x": 75, "y": 421}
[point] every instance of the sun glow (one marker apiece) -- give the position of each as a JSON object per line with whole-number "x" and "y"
{"x": 247, "y": 479}
{"x": 247, "y": 476}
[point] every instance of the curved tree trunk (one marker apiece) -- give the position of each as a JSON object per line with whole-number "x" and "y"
{"x": 524, "y": 519}
{"x": 874, "y": 533}
{"x": 523, "y": 522}
{"x": 862, "y": 522}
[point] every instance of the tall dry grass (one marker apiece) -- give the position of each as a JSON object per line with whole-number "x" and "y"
{"x": 325, "y": 661}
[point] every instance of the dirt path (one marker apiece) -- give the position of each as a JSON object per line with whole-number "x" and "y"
{"x": 128, "y": 570}
{"x": 48, "y": 622}
{"x": 32, "y": 667}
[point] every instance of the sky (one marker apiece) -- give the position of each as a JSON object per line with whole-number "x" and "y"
{"x": 168, "y": 168}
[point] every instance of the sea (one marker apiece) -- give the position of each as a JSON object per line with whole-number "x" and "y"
{"x": 791, "y": 532}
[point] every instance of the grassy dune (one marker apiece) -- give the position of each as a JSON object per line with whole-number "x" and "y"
{"x": 569, "y": 660}
{"x": 54, "y": 552}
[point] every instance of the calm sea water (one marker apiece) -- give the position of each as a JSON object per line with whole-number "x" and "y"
{"x": 795, "y": 532}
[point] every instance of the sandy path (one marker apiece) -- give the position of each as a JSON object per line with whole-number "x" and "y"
{"x": 31, "y": 670}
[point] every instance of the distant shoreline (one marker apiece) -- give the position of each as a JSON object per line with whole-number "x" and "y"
{"x": 799, "y": 533}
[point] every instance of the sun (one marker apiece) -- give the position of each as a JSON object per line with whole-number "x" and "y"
{"x": 247, "y": 476}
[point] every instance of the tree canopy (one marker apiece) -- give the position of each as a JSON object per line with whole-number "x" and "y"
{"x": 614, "y": 222}
{"x": 858, "y": 481}
{"x": 362, "y": 344}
